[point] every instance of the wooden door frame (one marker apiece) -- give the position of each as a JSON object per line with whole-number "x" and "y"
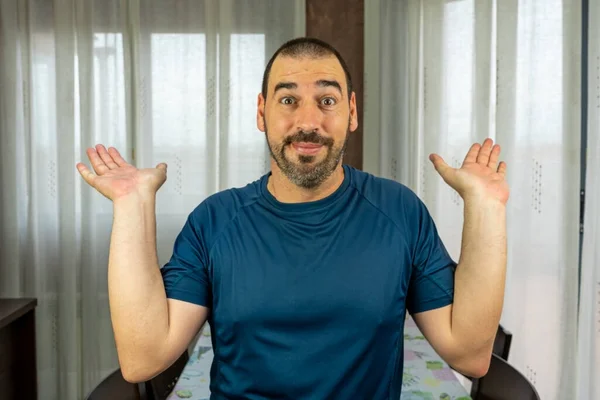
{"x": 341, "y": 24}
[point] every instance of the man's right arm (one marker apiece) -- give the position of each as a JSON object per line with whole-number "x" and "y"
{"x": 151, "y": 331}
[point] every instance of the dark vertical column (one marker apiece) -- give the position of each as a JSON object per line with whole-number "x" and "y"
{"x": 341, "y": 23}
{"x": 25, "y": 363}
{"x": 585, "y": 23}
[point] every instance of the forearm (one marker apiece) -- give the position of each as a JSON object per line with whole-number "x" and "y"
{"x": 138, "y": 303}
{"x": 480, "y": 276}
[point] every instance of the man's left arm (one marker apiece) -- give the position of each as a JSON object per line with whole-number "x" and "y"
{"x": 463, "y": 333}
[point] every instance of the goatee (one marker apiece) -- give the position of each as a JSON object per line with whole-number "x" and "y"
{"x": 306, "y": 173}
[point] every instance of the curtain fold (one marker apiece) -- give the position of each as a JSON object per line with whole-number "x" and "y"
{"x": 455, "y": 72}
{"x": 163, "y": 81}
{"x": 588, "y": 365}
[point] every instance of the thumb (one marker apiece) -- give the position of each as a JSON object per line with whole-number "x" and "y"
{"x": 440, "y": 166}
{"x": 162, "y": 167}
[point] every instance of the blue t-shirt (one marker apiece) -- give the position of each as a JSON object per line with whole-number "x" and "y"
{"x": 308, "y": 300}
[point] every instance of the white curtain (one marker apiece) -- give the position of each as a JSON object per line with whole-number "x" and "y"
{"x": 162, "y": 80}
{"x": 588, "y": 365}
{"x": 441, "y": 74}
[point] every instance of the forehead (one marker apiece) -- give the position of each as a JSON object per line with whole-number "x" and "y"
{"x": 306, "y": 70}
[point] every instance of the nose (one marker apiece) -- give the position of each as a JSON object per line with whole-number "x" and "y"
{"x": 308, "y": 117}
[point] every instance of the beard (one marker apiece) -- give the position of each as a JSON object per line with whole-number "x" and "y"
{"x": 306, "y": 173}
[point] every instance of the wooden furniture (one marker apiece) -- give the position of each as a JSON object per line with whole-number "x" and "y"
{"x": 504, "y": 382}
{"x": 323, "y": 21}
{"x": 18, "y": 376}
{"x": 115, "y": 387}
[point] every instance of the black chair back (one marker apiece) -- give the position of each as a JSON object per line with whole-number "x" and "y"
{"x": 504, "y": 382}
{"x": 159, "y": 387}
{"x": 115, "y": 387}
{"x": 502, "y": 343}
{"x": 501, "y": 348}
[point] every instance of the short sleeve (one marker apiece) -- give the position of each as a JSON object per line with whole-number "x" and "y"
{"x": 432, "y": 278}
{"x": 185, "y": 275}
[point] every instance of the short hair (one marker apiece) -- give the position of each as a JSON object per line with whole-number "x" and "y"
{"x": 306, "y": 47}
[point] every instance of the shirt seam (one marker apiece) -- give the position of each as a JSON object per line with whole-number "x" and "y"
{"x": 424, "y": 306}
{"x": 448, "y": 295}
{"x": 181, "y": 276}
{"x": 173, "y": 290}
{"x": 228, "y": 224}
{"x": 361, "y": 194}
{"x": 397, "y": 360}
{"x": 438, "y": 285}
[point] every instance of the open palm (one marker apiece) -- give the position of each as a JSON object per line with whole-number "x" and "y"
{"x": 480, "y": 174}
{"x": 116, "y": 178}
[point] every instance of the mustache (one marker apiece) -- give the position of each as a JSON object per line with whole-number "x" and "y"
{"x": 308, "y": 137}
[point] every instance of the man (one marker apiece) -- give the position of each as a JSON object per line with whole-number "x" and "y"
{"x": 305, "y": 275}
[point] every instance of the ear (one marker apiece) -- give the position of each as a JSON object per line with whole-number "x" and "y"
{"x": 353, "y": 113}
{"x": 260, "y": 113}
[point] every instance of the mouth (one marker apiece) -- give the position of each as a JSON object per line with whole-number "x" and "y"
{"x": 306, "y": 148}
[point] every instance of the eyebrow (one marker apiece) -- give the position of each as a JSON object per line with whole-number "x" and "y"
{"x": 285, "y": 85}
{"x": 329, "y": 83}
{"x": 321, "y": 83}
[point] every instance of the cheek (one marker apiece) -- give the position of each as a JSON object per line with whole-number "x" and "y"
{"x": 336, "y": 125}
{"x": 279, "y": 124}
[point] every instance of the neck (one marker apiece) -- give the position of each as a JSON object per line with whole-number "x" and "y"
{"x": 286, "y": 192}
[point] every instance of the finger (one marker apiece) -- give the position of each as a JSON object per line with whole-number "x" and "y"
{"x": 440, "y": 165}
{"x": 484, "y": 153}
{"x": 493, "y": 163}
{"x": 502, "y": 168}
{"x": 86, "y": 174}
{"x": 471, "y": 156}
{"x": 108, "y": 160}
{"x": 116, "y": 156}
{"x": 99, "y": 166}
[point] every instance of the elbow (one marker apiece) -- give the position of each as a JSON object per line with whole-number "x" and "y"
{"x": 140, "y": 364}
{"x": 473, "y": 367}
{"x": 478, "y": 370}
{"x": 139, "y": 371}
{"x": 135, "y": 375}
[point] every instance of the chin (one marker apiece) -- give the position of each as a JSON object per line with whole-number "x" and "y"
{"x": 307, "y": 160}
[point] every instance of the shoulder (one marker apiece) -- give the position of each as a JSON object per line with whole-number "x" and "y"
{"x": 392, "y": 198}
{"x": 218, "y": 210}
{"x": 230, "y": 201}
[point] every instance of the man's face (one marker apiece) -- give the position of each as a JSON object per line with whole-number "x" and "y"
{"x": 307, "y": 117}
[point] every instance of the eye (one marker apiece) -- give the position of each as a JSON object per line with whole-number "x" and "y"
{"x": 288, "y": 101}
{"x": 328, "y": 101}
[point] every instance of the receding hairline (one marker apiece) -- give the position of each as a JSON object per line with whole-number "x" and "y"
{"x": 323, "y": 82}
{"x": 307, "y": 56}
{"x": 307, "y": 48}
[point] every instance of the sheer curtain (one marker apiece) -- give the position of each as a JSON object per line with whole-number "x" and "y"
{"x": 589, "y": 303}
{"x": 164, "y": 81}
{"x": 442, "y": 74}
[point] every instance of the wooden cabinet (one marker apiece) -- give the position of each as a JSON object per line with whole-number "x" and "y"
{"x": 18, "y": 377}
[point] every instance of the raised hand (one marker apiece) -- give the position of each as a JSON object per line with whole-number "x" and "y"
{"x": 115, "y": 178}
{"x": 480, "y": 176}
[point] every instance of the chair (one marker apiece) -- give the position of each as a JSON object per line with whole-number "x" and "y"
{"x": 501, "y": 348}
{"x": 504, "y": 382}
{"x": 502, "y": 343}
{"x": 159, "y": 387}
{"x": 115, "y": 387}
